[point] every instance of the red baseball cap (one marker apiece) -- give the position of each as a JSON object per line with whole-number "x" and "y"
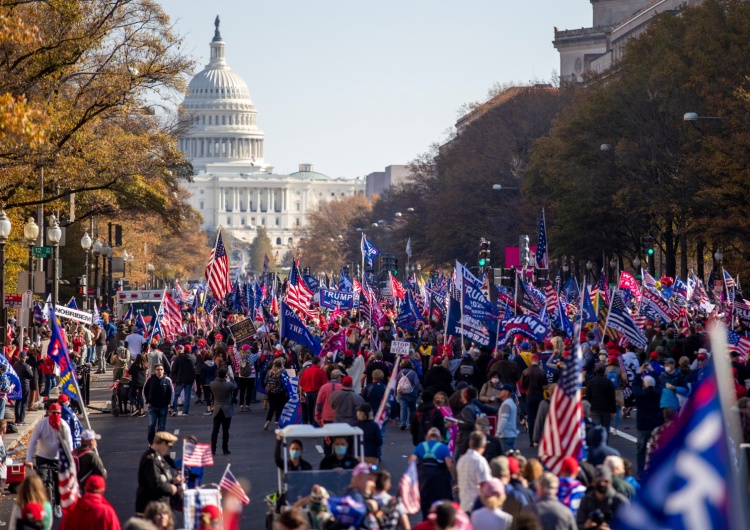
{"x": 347, "y": 381}
{"x": 569, "y": 466}
{"x": 213, "y": 511}
{"x": 653, "y": 355}
{"x": 95, "y": 483}
{"x": 514, "y": 466}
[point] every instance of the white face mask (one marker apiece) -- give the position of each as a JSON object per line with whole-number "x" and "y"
{"x": 495, "y": 380}
{"x": 669, "y": 369}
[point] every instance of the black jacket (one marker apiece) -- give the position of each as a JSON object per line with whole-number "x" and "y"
{"x": 183, "y": 370}
{"x": 601, "y": 394}
{"x": 649, "y": 415}
{"x": 427, "y": 416}
{"x": 25, "y": 375}
{"x": 158, "y": 392}
{"x": 304, "y": 465}
{"x": 154, "y": 480}
{"x": 438, "y": 379}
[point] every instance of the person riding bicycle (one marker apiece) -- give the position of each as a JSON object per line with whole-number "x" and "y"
{"x": 45, "y": 445}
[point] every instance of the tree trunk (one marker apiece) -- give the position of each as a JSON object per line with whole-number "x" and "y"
{"x": 699, "y": 250}
{"x": 684, "y": 262}
{"x": 670, "y": 250}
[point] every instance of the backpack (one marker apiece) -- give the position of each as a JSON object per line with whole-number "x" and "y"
{"x": 247, "y": 369}
{"x": 404, "y": 385}
{"x": 425, "y": 422}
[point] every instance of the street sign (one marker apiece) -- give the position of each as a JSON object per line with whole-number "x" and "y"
{"x": 91, "y": 292}
{"x": 13, "y": 299}
{"x": 242, "y": 330}
{"x": 41, "y": 252}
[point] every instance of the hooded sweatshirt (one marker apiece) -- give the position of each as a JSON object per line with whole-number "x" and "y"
{"x": 91, "y": 512}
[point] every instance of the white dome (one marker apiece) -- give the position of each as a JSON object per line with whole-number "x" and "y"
{"x": 218, "y": 83}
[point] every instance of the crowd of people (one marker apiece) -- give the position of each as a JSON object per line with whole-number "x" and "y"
{"x": 464, "y": 407}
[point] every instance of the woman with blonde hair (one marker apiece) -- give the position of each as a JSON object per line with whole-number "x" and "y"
{"x": 491, "y": 515}
{"x": 160, "y": 514}
{"x": 451, "y": 423}
{"x": 32, "y": 490}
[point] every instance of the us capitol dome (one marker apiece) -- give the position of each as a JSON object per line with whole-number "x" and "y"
{"x": 234, "y": 187}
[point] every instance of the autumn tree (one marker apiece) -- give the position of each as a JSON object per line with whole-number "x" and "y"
{"x": 684, "y": 183}
{"x": 330, "y": 237}
{"x": 260, "y": 249}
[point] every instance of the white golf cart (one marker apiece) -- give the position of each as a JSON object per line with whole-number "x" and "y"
{"x": 297, "y": 484}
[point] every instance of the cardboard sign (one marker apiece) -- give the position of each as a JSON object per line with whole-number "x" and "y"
{"x": 243, "y": 330}
{"x": 399, "y": 347}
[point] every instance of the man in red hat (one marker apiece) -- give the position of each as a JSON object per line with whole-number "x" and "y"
{"x": 92, "y": 511}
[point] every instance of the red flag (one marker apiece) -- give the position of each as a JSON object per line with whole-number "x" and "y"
{"x": 397, "y": 290}
{"x": 627, "y": 281}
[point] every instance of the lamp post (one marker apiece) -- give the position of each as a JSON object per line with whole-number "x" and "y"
{"x": 54, "y": 234}
{"x": 30, "y": 234}
{"x": 719, "y": 257}
{"x": 590, "y": 269}
{"x": 107, "y": 276}
{"x": 5, "y": 227}
{"x": 150, "y": 269}
{"x": 613, "y": 266}
{"x": 86, "y": 246}
{"x": 565, "y": 268}
{"x": 96, "y": 248}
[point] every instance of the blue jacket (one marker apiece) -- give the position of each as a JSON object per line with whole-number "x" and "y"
{"x": 669, "y": 397}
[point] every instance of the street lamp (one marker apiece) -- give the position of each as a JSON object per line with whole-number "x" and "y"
{"x": 5, "y": 227}
{"x": 590, "y": 268}
{"x": 30, "y": 234}
{"x": 719, "y": 257}
{"x": 637, "y": 264}
{"x": 86, "y": 246}
{"x": 500, "y": 187}
{"x": 107, "y": 277}
{"x": 693, "y": 116}
{"x": 96, "y": 248}
{"x": 150, "y": 269}
{"x": 54, "y": 235}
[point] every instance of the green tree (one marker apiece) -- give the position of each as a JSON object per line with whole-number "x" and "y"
{"x": 261, "y": 248}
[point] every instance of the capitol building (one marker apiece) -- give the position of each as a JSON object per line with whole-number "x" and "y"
{"x": 234, "y": 186}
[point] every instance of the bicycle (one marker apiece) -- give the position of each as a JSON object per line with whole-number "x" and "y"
{"x": 48, "y": 473}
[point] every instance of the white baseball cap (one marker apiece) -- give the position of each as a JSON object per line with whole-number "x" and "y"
{"x": 89, "y": 435}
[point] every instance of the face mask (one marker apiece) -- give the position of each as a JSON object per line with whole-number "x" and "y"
{"x": 603, "y": 358}
{"x": 669, "y": 369}
{"x": 602, "y": 487}
{"x": 55, "y": 420}
{"x": 495, "y": 380}
{"x": 340, "y": 450}
{"x": 294, "y": 454}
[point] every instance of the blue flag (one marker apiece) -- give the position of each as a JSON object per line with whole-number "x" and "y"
{"x": 566, "y": 325}
{"x": 587, "y": 309}
{"x": 294, "y": 329}
{"x": 408, "y": 313}
{"x": 141, "y": 325}
{"x": 129, "y": 314}
{"x": 58, "y": 352}
{"x": 291, "y": 414}
{"x": 687, "y": 486}
{"x": 15, "y": 390}
{"x": 369, "y": 251}
{"x": 345, "y": 283}
{"x": 344, "y": 300}
{"x": 571, "y": 290}
{"x": 72, "y": 304}
{"x": 526, "y": 325}
{"x": 311, "y": 282}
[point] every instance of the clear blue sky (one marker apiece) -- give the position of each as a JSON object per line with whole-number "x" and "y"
{"x": 354, "y": 86}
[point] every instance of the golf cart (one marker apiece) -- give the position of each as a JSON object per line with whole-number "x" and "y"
{"x": 297, "y": 484}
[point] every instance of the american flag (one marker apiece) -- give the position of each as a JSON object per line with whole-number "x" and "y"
{"x": 542, "y": 258}
{"x": 552, "y": 298}
{"x": 217, "y": 270}
{"x": 648, "y": 280}
{"x": 728, "y": 280}
{"x": 229, "y": 484}
{"x": 408, "y": 487}
{"x": 562, "y": 429}
{"x": 66, "y": 476}
{"x": 298, "y": 294}
{"x": 196, "y": 455}
{"x": 178, "y": 292}
{"x": 170, "y": 317}
{"x": 620, "y": 319}
{"x": 739, "y": 343}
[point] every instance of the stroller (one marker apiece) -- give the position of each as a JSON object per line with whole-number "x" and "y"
{"x": 121, "y": 396}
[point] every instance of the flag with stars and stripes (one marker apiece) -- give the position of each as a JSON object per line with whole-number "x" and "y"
{"x": 217, "y": 270}
{"x": 542, "y": 257}
{"x": 66, "y": 476}
{"x": 739, "y": 343}
{"x": 562, "y": 429}
{"x": 298, "y": 294}
{"x": 620, "y": 319}
{"x": 728, "y": 280}
{"x": 230, "y": 484}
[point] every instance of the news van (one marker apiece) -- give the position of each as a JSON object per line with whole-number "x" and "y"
{"x": 145, "y": 302}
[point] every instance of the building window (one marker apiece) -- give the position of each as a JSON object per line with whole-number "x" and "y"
{"x": 201, "y": 206}
{"x": 278, "y": 241}
{"x": 333, "y": 194}
{"x": 263, "y": 221}
{"x": 252, "y": 220}
{"x": 201, "y": 192}
{"x": 298, "y": 206}
{"x": 223, "y": 120}
{"x": 299, "y": 193}
{"x": 278, "y": 221}
{"x": 290, "y": 241}
{"x": 296, "y": 221}
{"x": 209, "y": 120}
{"x": 229, "y": 221}
{"x": 242, "y": 221}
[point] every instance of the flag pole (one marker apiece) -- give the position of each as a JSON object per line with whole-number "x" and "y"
{"x": 722, "y": 371}
{"x": 609, "y": 312}
{"x": 183, "y": 459}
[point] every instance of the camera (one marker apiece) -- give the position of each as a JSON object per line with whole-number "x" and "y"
{"x": 597, "y": 517}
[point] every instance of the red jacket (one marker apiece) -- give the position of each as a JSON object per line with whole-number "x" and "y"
{"x": 313, "y": 377}
{"x": 91, "y": 512}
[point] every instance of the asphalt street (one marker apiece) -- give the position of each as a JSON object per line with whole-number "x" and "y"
{"x": 124, "y": 441}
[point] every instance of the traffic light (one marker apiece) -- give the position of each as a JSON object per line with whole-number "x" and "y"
{"x": 81, "y": 289}
{"x": 484, "y": 253}
{"x": 395, "y": 266}
{"x": 523, "y": 248}
{"x": 81, "y": 281}
{"x": 647, "y": 244}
